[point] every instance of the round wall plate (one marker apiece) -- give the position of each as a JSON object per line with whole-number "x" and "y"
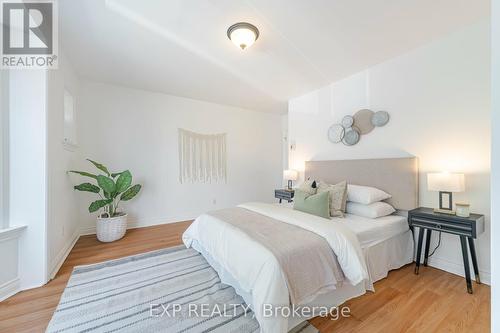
{"x": 336, "y": 133}
{"x": 363, "y": 121}
{"x": 380, "y": 118}
{"x": 347, "y": 121}
{"x": 351, "y": 136}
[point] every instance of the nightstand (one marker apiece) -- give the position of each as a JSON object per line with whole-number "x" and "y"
{"x": 284, "y": 194}
{"x": 467, "y": 228}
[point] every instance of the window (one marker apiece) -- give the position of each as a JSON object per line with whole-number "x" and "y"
{"x": 69, "y": 120}
{"x": 4, "y": 136}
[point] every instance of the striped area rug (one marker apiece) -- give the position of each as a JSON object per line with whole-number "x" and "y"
{"x": 170, "y": 290}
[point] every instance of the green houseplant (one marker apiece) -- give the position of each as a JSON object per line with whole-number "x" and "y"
{"x": 112, "y": 188}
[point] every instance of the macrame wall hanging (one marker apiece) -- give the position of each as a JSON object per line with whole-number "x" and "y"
{"x": 202, "y": 157}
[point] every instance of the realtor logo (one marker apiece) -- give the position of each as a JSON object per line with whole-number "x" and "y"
{"x": 29, "y": 34}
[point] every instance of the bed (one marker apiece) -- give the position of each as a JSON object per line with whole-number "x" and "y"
{"x": 364, "y": 249}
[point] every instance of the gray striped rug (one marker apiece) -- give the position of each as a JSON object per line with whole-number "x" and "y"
{"x": 170, "y": 290}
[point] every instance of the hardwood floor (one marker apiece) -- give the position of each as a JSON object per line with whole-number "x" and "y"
{"x": 434, "y": 301}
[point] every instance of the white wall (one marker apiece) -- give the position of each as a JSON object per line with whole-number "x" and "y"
{"x": 438, "y": 97}
{"x": 63, "y": 224}
{"x": 137, "y": 130}
{"x": 43, "y": 209}
{"x": 284, "y": 143}
{"x": 28, "y": 172}
{"x": 495, "y": 166}
{"x": 40, "y": 192}
{"x": 9, "y": 237}
{"x": 4, "y": 148}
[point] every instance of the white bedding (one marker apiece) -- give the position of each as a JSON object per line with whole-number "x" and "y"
{"x": 374, "y": 231}
{"x": 254, "y": 266}
{"x": 370, "y": 231}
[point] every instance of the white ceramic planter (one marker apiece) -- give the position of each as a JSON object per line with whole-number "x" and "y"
{"x": 111, "y": 229}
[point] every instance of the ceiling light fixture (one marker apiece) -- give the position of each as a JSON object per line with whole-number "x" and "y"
{"x": 243, "y": 34}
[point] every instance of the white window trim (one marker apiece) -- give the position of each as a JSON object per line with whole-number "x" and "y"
{"x": 70, "y": 142}
{"x": 4, "y": 149}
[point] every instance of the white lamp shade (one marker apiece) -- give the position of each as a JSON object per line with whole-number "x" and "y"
{"x": 290, "y": 174}
{"x": 243, "y": 38}
{"x": 243, "y": 34}
{"x": 446, "y": 182}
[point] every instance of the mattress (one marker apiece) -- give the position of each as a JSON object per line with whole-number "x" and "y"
{"x": 373, "y": 231}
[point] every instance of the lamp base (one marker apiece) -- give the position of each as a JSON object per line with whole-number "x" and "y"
{"x": 444, "y": 211}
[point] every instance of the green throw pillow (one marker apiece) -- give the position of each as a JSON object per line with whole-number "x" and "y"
{"x": 315, "y": 204}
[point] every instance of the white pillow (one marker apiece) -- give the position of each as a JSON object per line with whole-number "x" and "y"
{"x": 372, "y": 211}
{"x": 365, "y": 194}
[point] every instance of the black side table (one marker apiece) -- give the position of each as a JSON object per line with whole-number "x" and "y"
{"x": 467, "y": 228}
{"x": 284, "y": 194}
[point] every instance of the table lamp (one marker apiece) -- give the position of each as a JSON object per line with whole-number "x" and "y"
{"x": 446, "y": 183}
{"x": 290, "y": 175}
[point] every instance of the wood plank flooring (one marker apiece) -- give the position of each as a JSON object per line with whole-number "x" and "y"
{"x": 434, "y": 301}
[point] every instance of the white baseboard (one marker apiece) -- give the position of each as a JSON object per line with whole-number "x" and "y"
{"x": 87, "y": 231}
{"x": 9, "y": 288}
{"x": 136, "y": 224}
{"x": 457, "y": 269}
{"x": 63, "y": 254}
{"x": 454, "y": 267}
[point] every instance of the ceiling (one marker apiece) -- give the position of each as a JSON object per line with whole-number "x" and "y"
{"x": 180, "y": 47}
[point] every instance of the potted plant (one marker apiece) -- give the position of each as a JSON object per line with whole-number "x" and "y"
{"x": 112, "y": 188}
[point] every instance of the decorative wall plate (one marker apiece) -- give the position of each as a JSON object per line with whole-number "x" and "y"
{"x": 336, "y": 133}
{"x": 347, "y": 121}
{"x": 363, "y": 121}
{"x": 351, "y": 128}
{"x": 351, "y": 136}
{"x": 380, "y": 118}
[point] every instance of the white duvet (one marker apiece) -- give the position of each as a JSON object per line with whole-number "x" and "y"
{"x": 255, "y": 267}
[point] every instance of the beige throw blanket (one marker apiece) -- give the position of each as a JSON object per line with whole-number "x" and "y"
{"x": 308, "y": 263}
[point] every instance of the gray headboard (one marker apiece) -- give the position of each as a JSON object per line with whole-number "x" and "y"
{"x": 396, "y": 176}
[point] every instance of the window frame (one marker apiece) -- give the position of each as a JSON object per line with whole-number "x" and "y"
{"x": 70, "y": 135}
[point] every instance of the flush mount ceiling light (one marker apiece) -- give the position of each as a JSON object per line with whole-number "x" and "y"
{"x": 243, "y": 34}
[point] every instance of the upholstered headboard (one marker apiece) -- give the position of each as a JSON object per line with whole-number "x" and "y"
{"x": 396, "y": 176}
